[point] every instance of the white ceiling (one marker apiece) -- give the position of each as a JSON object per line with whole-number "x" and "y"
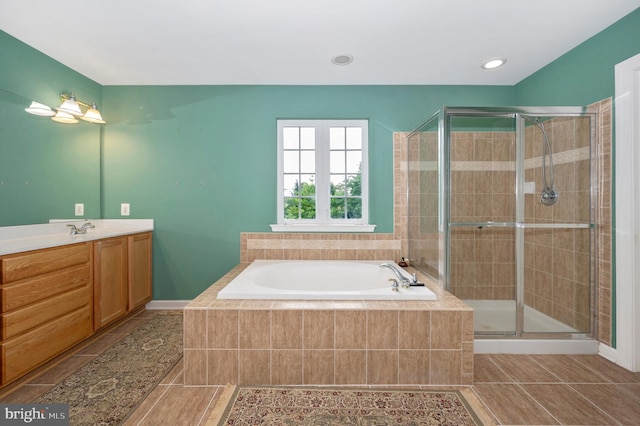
{"x": 176, "y": 42}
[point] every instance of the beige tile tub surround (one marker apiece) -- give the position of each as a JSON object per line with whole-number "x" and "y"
{"x": 327, "y": 342}
{"x": 304, "y": 246}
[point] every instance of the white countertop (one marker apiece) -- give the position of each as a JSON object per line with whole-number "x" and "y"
{"x": 16, "y": 239}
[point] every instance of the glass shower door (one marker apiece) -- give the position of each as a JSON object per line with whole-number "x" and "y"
{"x": 520, "y": 218}
{"x": 425, "y": 233}
{"x": 482, "y": 218}
{"x": 558, "y": 225}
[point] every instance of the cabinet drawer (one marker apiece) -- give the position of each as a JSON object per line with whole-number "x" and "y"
{"x": 29, "y": 350}
{"x": 19, "y": 266}
{"x": 41, "y": 313}
{"x": 16, "y": 295}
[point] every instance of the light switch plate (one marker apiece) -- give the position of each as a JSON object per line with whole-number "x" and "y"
{"x": 125, "y": 209}
{"x": 79, "y": 209}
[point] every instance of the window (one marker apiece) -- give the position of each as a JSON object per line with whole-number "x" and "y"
{"x": 322, "y": 175}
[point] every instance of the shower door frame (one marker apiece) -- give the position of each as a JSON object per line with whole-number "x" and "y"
{"x": 519, "y": 226}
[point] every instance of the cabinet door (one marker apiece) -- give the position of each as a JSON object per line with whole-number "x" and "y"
{"x": 140, "y": 265}
{"x": 110, "y": 280}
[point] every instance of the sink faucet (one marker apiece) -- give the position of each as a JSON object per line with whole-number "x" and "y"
{"x": 82, "y": 230}
{"x": 403, "y": 280}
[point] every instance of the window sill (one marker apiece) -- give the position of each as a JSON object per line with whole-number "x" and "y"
{"x": 321, "y": 228}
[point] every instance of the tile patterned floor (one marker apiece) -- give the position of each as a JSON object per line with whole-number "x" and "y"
{"x": 515, "y": 389}
{"x": 557, "y": 389}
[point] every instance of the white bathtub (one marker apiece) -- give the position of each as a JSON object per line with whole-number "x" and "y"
{"x": 319, "y": 280}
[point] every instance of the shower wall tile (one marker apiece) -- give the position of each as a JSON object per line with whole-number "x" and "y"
{"x": 504, "y": 292}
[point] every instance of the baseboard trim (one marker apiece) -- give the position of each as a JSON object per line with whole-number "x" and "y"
{"x": 167, "y": 305}
{"x": 535, "y": 346}
{"x": 608, "y": 352}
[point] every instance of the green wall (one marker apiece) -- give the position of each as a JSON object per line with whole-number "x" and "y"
{"x": 45, "y": 167}
{"x": 201, "y": 161}
{"x": 585, "y": 74}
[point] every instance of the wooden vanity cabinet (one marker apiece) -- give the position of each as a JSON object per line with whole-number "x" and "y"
{"x": 122, "y": 276}
{"x": 140, "y": 266}
{"x": 46, "y": 306}
{"x": 109, "y": 280}
{"x": 52, "y": 299}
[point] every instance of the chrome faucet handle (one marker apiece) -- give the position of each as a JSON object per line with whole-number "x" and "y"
{"x": 87, "y": 225}
{"x": 74, "y": 230}
{"x": 394, "y": 284}
{"x": 406, "y": 283}
{"x": 414, "y": 278}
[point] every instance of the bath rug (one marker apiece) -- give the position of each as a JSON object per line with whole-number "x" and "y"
{"x": 241, "y": 405}
{"x": 107, "y": 390}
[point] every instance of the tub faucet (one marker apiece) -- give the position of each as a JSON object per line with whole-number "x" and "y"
{"x": 404, "y": 281}
{"x": 394, "y": 285}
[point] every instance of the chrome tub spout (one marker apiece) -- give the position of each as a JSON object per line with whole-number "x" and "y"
{"x": 404, "y": 281}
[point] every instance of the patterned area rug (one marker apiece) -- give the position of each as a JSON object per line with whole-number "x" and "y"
{"x": 106, "y": 390}
{"x": 330, "y": 406}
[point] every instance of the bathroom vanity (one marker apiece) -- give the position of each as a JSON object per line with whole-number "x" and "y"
{"x": 57, "y": 289}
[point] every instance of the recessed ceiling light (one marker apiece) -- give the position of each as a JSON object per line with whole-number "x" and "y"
{"x": 494, "y": 63}
{"x": 342, "y": 59}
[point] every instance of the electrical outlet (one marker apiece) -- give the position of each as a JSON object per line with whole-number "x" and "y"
{"x": 79, "y": 209}
{"x": 125, "y": 209}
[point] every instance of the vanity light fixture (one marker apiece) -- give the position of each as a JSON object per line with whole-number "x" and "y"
{"x": 65, "y": 118}
{"x": 36, "y": 108}
{"x": 493, "y": 63}
{"x": 93, "y": 115}
{"x": 69, "y": 105}
{"x": 69, "y": 111}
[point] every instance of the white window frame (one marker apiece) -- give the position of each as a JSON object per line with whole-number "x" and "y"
{"x": 323, "y": 221}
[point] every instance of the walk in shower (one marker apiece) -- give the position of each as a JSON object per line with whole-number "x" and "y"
{"x": 501, "y": 210}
